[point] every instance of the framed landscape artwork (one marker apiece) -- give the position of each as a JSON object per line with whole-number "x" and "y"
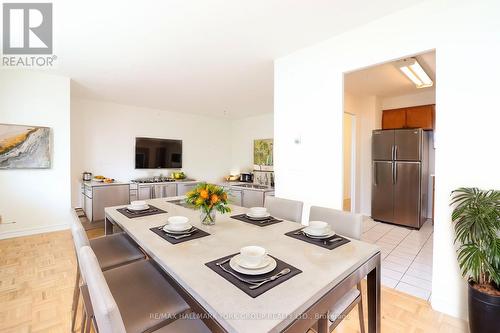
{"x": 263, "y": 154}
{"x": 24, "y": 147}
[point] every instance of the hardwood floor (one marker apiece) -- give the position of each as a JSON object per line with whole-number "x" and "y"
{"x": 37, "y": 278}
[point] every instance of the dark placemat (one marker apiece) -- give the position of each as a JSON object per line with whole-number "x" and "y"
{"x": 198, "y": 233}
{"x": 152, "y": 210}
{"x": 245, "y": 286}
{"x": 319, "y": 242}
{"x": 260, "y": 223}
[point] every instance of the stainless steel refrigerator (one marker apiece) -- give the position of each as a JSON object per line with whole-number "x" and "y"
{"x": 400, "y": 176}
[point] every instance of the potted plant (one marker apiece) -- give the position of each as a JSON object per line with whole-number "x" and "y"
{"x": 476, "y": 214}
{"x": 208, "y": 198}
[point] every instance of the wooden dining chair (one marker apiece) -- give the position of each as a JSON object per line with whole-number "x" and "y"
{"x": 349, "y": 225}
{"x": 286, "y": 209}
{"x": 111, "y": 251}
{"x": 134, "y": 298}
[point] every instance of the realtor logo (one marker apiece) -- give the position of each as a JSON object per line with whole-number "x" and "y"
{"x": 27, "y": 28}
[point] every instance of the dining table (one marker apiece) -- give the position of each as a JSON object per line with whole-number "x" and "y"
{"x": 295, "y": 305}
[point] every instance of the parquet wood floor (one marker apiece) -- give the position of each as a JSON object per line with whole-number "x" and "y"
{"x": 37, "y": 278}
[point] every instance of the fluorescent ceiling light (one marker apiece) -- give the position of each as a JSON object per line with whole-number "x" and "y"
{"x": 412, "y": 69}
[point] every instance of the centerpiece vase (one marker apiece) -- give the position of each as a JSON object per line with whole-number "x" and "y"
{"x": 207, "y": 216}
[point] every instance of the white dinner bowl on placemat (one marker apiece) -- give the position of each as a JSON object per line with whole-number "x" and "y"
{"x": 178, "y": 223}
{"x": 138, "y": 205}
{"x": 236, "y": 264}
{"x": 257, "y": 217}
{"x": 329, "y": 234}
{"x": 186, "y": 230}
{"x": 317, "y": 228}
{"x": 257, "y": 211}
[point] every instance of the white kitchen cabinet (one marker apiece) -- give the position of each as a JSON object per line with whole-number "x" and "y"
{"x": 144, "y": 192}
{"x": 234, "y": 196}
{"x": 108, "y": 196}
{"x": 163, "y": 190}
{"x": 253, "y": 198}
{"x": 134, "y": 195}
{"x": 96, "y": 198}
{"x": 87, "y": 207}
{"x": 182, "y": 188}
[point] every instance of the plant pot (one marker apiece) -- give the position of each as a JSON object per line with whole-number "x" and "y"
{"x": 484, "y": 312}
{"x": 207, "y": 218}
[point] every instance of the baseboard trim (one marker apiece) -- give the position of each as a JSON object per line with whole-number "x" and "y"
{"x": 33, "y": 231}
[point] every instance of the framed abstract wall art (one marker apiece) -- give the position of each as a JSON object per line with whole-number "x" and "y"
{"x": 24, "y": 147}
{"x": 263, "y": 154}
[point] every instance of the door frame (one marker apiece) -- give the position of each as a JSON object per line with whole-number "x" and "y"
{"x": 353, "y": 160}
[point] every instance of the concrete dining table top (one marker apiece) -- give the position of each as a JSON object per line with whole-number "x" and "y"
{"x": 234, "y": 310}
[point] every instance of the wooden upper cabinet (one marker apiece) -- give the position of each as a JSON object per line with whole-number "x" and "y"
{"x": 412, "y": 117}
{"x": 392, "y": 119}
{"x": 420, "y": 117}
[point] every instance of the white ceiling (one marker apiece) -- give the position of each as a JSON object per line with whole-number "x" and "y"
{"x": 387, "y": 80}
{"x": 194, "y": 56}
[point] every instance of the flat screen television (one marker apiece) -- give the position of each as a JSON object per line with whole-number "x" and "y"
{"x": 153, "y": 153}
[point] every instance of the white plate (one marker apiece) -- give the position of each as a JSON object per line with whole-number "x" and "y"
{"x": 187, "y": 228}
{"x": 235, "y": 261}
{"x": 327, "y": 235}
{"x": 98, "y": 180}
{"x": 138, "y": 208}
{"x": 260, "y": 217}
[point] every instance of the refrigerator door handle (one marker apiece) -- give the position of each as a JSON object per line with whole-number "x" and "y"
{"x": 392, "y": 152}
{"x": 395, "y": 152}
{"x": 393, "y": 173}
{"x": 374, "y": 176}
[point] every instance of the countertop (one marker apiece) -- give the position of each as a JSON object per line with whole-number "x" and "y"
{"x": 235, "y": 185}
{"x": 179, "y": 181}
{"x": 92, "y": 183}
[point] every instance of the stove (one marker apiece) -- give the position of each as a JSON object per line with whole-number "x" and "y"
{"x": 150, "y": 180}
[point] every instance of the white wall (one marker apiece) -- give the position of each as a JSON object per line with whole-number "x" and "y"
{"x": 308, "y": 102}
{"x": 37, "y": 200}
{"x": 420, "y": 98}
{"x": 243, "y": 132}
{"x": 103, "y": 139}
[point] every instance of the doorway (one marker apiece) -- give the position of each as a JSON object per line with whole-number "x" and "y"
{"x": 390, "y": 98}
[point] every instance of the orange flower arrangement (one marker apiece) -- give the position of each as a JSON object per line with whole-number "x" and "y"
{"x": 208, "y": 197}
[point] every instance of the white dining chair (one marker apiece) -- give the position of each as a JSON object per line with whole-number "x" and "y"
{"x": 111, "y": 251}
{"x": 349, "y": 225}
{"x": 134, "y": 298}
{"x": 285, "y": 209}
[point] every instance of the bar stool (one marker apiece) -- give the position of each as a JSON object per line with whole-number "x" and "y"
{"x": 350, "y": 225}
{"x": 286, "y": 209}
{"x": 112, "y": 251}
{"x": 134, "y": 298}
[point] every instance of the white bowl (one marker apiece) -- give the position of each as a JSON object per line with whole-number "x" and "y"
{"x": 178, "y": 222}
{"x": 138, "y": 203}
{"x": 318, "y": 228}
{"x": 258, "y": 211}
{"x": 131, "y": 207}
{"x": 252, "y": 256}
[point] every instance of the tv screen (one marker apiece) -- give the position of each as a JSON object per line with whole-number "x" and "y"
{"x": 158, "y": 153}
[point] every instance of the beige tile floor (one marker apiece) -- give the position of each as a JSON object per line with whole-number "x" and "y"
{"x": 406, "y": 256}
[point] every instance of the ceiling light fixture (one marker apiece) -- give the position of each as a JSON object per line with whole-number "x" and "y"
{"x": 412, "y": 69}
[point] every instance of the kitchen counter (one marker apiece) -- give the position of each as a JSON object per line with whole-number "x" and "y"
{"x": 244, "y": 186}
{"x": 93, "y": 183}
